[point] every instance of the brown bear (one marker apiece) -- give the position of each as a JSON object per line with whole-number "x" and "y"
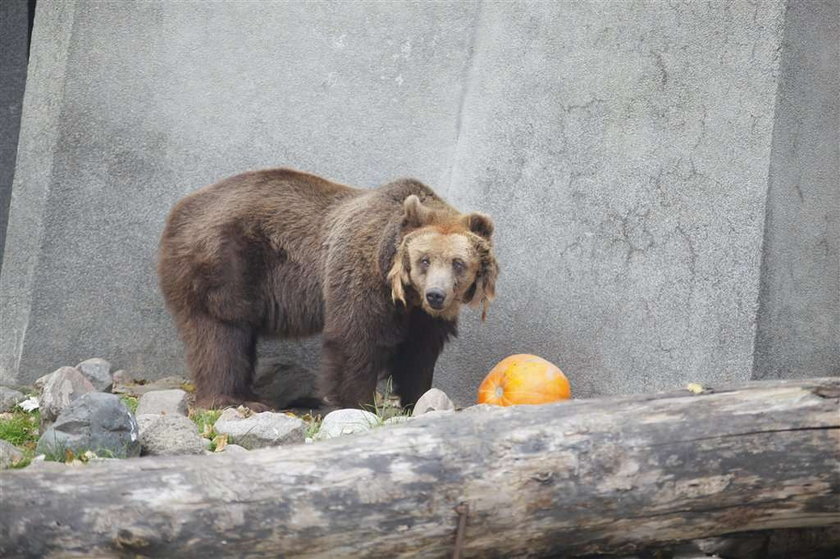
{"x": 381, "y": 272}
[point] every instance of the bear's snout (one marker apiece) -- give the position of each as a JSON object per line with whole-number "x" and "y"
{"x": 436, "y": 298}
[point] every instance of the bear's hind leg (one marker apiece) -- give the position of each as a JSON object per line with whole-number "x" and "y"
{"x": 221, "y": 358}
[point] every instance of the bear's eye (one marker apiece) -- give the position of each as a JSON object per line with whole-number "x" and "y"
{"x": 424, "y": 262}
{"x": 458, "y": 265}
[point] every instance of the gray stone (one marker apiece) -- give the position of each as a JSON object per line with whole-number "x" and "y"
{"x": 172, "y": 402}
{"x": 433, "y": 400}
{"x": 60, "y": 388}
{"x": 122, "y": 377}
{"x": 137, "y": 388}
{"x": 261, "y": 429}
{"x": 283, "y": 383}
{"x": 346, "y": 422}
{"x": 96, "y": 421}
{"x": 234, "y": 449}
{"x": 9, "y": 399}
{"x": 623, "y": 149}
{"x": 168, "y": 435}
{"x": 9, "y": 455}
{"x": 98, "y": 372}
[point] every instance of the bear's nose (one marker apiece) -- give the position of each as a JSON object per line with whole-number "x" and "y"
{"x": 435, "y": 297}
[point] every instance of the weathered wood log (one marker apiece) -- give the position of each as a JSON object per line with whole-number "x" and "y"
{"x": 584, "y": 477}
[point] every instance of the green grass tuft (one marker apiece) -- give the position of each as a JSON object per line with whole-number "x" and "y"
{"x": 20, "y": 428}
{"x": 130, "y": 402}
{"x": 204, "y": 420}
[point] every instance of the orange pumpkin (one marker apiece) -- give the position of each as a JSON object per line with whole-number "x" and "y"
{"x": 524, "y": 379}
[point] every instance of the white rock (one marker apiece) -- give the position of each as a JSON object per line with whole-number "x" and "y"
{"x": 433, "y": 400}
{"x": 261, "y": 429}
{"x": 346, "y": 422}
{"x": 98, "y": 372}
{"x": 170, "y": 402}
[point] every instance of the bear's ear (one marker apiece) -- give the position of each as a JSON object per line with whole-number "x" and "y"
{"x": 484, "y": 289}
{"x": 415, "y": 213}
{"x": 398, "y": 275}
{"x": 480, "y": 224}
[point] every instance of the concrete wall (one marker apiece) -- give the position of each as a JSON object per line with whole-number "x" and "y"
{"x": 623, "y": 149}
{"x": 14, "y": 43}
{"x": 799, "y": 318}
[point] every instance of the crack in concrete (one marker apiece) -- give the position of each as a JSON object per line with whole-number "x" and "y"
{"x": 660, "y": 65}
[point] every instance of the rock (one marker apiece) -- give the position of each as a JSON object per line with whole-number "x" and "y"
{"x": 138, "y": 387}
{"x": 346, "y": 422}
{"x": 170, "y": 402}
{"x": 397, "y": 419}
{"x": 60, "y": 388}
{"x": 41, "y": 382}
{"x": 234, "y": 449}
{"x": 98, "y": 372}
{"x": 284, "y": 383}
{"x": 261, "y": 429}
{"x": 435, "y": 414}
{"x": 168, "y": 435}
{"x": 433, "y": 400}
{"x": 231, "y": 414}
{"x": 95, "y": 421}
{"x": 122, "y": 377}
{"x": 9, "y": 455}
{"x": 9, "y": 399}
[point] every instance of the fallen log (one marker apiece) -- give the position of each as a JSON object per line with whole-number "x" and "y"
{"x": 577, "y": 478}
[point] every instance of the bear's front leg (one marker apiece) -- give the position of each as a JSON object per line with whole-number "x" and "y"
{"x": 350, "y": 371}
{"x": 413, "y": 364}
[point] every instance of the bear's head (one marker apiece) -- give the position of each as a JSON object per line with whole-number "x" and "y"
{"x": 446, "y": 259}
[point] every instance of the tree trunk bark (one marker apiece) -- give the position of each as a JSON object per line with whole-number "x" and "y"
{"x": 583, "y": 477}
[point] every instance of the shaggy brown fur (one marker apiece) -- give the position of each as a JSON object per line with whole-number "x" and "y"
{"x": 382, "y": 273}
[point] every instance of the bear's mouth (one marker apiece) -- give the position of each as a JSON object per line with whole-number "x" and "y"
{"x": 448, "y": 312}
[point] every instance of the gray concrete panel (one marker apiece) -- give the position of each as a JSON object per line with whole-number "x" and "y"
{"x": 23, "y": 263}
{"x": 14, "y": 41}
{"x": 799, "y": 317}
{"x": 623, "y": 149}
